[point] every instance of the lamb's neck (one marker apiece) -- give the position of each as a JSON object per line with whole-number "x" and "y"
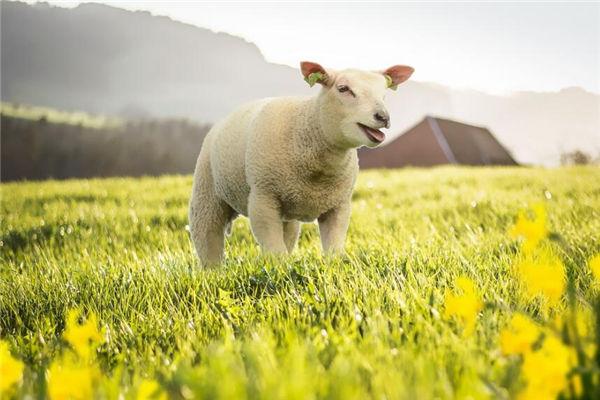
{"x": 315, "y": 142}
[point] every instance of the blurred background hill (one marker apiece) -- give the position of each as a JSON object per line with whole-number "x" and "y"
{"x": 135, "y": 66}
{"x": 106, "y": 60}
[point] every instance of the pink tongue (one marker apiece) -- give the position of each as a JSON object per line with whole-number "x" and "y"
{"x": 377, "y": 134}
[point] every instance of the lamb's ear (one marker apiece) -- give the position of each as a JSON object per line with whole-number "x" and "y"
{"x": 397, "y": 74}
{"x": 314, "y": 73}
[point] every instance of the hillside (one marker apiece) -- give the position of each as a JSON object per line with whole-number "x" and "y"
{"x": 106, "y": 60}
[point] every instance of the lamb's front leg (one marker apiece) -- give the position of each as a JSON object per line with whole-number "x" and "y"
{"x": 291, "y": 231}
{"x": 265, "y": 221}
{"x": 333, "y": 226}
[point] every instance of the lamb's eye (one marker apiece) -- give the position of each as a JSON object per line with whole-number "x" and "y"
{"x": 344, "y": 88}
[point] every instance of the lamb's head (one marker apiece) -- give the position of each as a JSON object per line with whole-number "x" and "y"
{"x": 351, "y": 102}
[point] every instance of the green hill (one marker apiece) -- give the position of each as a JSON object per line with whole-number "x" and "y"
{"x": 54, "y": 116}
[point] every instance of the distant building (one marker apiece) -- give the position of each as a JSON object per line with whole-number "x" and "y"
{"x": 436, "y": 141}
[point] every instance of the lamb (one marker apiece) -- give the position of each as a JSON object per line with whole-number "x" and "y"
{"x": 282, "y": 161}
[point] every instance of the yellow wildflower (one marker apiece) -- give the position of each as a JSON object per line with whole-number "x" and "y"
{"x": 68, "y": 379}
{"x": 546, "y": 369}
{"x": 532, "y": 230}
{"x": 150, "y": 389}
{"x": 83, "y": 338}
{"x": 594, "y": 264}
{"x": 578, "y": 325}
{"x": 11, "y": 369}
{"x": 582, "y": 320}
{"x": 465, "y": 306}
{"x": 543, "y": 275}
{"x": 519, "y": 336}
{"x": 577, "y": 385}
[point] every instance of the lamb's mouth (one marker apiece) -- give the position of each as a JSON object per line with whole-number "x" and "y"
{"x": 374, "y": 135}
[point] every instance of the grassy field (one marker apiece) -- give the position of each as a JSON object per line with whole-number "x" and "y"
{"x": 370, "y": 324}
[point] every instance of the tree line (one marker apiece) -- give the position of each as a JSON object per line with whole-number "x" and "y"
{"x": 36, "y": 149}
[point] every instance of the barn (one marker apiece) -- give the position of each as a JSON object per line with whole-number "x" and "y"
{"x": 435, "y": 141}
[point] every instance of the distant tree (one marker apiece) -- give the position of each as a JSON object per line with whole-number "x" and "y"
{"x": 39, "y": 148}
{"x": 575, "y": 157}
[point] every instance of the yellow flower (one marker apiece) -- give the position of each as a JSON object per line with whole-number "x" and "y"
{"x": 594, "y": 264}
{"x": 83, "y": 338}
{"x": 465, "y": 306}
{"x": 150, "y": 389}
{"x": 519, "y": 336}
{"x": 577, "y": 385}
{"x": 68, "y": 379}
{"x": 532, "y": 230}
{"x": 582, "y": 320}
{"x": 579, "y": 327}
{"x": 546, "y": 369}
{"x": 589, "y": 349}
{"x": 543, "y": 275}
{"x": 11, "y": 369}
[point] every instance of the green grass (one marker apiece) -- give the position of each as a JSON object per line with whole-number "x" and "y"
{"x": 368, "y": 324}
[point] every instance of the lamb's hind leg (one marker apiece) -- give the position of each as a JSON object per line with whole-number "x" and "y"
{"x": 208, "y": 215}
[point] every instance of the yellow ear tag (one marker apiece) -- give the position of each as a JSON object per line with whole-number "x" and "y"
{"x": 390, "y": 82}
{"x": 313, "y": 78}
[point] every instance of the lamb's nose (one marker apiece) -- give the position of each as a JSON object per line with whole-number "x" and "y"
{"x": 382, "y": 116}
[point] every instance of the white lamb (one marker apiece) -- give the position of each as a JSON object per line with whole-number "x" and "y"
{"x": 283, "y": 160}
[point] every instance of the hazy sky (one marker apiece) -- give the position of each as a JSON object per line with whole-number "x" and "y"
{"x": 493, "y": 47}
